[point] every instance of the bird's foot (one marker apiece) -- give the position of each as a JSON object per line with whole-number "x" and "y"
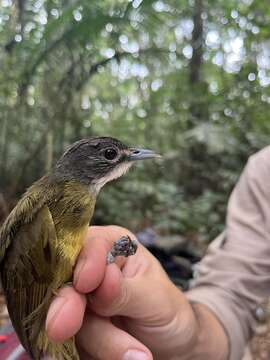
{"x": 125, "y": 246}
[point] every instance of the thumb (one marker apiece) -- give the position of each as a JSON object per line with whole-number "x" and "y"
{"x": 110, "y": 342}
{"x": 112, "y": 296}
{"x": 125, "y": 296}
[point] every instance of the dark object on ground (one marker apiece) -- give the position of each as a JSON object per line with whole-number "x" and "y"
{"x": 178, "y": 269}
{"x": 174, "y": 253}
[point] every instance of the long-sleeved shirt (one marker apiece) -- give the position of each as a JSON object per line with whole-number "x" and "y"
{"x": 234, "y": 276}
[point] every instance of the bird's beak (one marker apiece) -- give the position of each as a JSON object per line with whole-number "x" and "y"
{"x": 142, "y": 154}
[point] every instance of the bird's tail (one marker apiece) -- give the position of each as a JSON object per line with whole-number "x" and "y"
{"x": 37, "y": 343}
{"x": 57, "y": 351}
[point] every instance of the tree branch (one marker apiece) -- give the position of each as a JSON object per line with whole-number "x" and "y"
{"x": 30, "y": 73}
{"x": 117, "y": 56}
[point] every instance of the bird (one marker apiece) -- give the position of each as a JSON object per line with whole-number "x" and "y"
{"x": 43, "y": 235}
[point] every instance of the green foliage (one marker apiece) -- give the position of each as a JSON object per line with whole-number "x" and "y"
{"x": 148, "y": 73}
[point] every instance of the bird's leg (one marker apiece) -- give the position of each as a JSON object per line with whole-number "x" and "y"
{"x": 122, "y": 247}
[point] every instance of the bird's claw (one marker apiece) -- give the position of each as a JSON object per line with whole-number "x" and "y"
{"x": 125, "y": 246}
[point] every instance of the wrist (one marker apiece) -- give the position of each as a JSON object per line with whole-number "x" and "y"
{"x": 212, "y": 342}
{"x": 180, "y": 335}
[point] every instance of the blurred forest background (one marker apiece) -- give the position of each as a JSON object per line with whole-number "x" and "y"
{"x": 187, "y": 78}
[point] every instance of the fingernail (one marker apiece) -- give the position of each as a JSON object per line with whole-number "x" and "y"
{"x": 78, "y": 269}
{"x": 55, "y": 309}
{"x": 135, "y": 355}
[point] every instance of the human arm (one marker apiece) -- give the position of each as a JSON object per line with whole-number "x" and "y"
{"x": 233, "y": 277}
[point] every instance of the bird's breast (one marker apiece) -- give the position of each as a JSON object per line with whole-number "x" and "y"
{"x": 72, "y": 214}
{"x": 70, "y": 244}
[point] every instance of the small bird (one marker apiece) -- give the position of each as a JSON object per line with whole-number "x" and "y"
{"x": 43, "y": 235}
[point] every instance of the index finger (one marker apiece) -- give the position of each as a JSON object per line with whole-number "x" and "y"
{"x": 91, "y": 264}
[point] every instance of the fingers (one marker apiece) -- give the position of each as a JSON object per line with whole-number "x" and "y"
{"x": 110, "y": 296}
{"x": 91, "y": 264}
{"x": 114, "y": 291}
{"x": 89, "y": 270}
{"x": 65, "y": 315}
{"x": 100, "y": 339}
{"x": 120, "y": 295}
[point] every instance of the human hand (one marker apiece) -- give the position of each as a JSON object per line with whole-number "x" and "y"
{"x": 124, "y": 309}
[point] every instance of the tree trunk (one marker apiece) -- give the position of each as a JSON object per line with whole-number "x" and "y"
{"x": 195, "y": 66}
{"x": 198, "y": 87}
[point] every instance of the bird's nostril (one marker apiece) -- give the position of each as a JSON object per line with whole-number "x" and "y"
{"x": 136, "y": 152}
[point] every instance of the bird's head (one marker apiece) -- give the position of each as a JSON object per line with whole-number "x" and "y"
{"x": 98, "y": 160}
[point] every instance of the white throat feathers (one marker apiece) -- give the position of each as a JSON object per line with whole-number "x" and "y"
{"x": 117, "y": 172}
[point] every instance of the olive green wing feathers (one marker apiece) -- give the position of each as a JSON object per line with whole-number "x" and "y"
{"x": 23, "y": 213}
{"x": 27, "y": 270}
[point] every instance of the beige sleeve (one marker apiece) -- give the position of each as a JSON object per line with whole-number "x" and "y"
{"x": 234, "y": 276}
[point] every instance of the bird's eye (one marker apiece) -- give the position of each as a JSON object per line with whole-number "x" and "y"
{"x": 110, "y": 154}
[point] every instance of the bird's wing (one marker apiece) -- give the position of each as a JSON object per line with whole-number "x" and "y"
{"x": 23, "y": 213}
{"x": 27, "y": 273}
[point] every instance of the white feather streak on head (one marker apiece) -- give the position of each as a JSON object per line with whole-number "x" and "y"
{"x": 118, "y": 171}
